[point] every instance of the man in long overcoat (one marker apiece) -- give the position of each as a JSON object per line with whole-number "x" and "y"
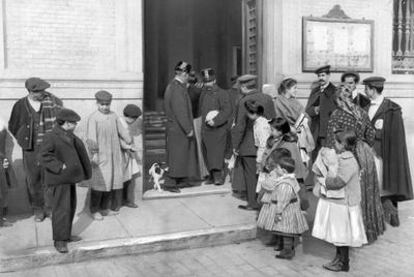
{"x": 390, "y": 147}
{"x": 181, "y": 142}
{"x": 243, "y": 139}
{"x": 214, "y": 129}
{"x": 31, "y": 118}
{"x": 320, "y": 106}
{"x": 65, "y": 161}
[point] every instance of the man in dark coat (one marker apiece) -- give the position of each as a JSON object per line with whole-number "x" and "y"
{"x": 215, "y": 111}
{"x": 390, "y": 147}
{"x": 320, "y": 106}
{"x": 181, "y": 142}
{"x": 243, "y": 139}
{"x": 351, "y": 79}
{"x": 65, "y": 161}
{"x": 31, "y": 118}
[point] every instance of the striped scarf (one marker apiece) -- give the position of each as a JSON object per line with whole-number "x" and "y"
{"x": 48, "y": 113}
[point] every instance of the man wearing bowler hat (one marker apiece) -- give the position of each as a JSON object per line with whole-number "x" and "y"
{"x": 391, "y": 149}
{"x": 351, "y": 79}
{"x": 181, "y": 142}
{"x": 215, "y": 111}
{"x": 320, "y": 106}
{"x": 244, "y": 176}
{"x": 65, "y": 161}
{"x": 31, "y": 118}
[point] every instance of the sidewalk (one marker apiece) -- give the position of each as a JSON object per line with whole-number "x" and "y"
{"x": 173, "y": 223}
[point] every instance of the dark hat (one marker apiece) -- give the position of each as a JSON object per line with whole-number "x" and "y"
{"x": 183, "y": 66}
{"x": 103, "y": 96}
{"x": 375, "y": 81}
{"x": 132, "y": 110}
{"x": 350, "y": 74}
{"x": 325, "y": 68}
{"x": 35, "y": 84}
{"x": 67, "y": 115}
{"x": 208, "y": 75}
{"x": 247, "y": 78}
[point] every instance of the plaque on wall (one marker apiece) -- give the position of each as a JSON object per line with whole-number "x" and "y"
{"x": 343, "y": 43}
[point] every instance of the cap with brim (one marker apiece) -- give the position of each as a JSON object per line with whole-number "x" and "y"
{"x": 325, "y": 69}
{"x": 103, "y": 96}
{"x": 375, "y": 81}
{"x": 68, "y": 115}
{"x": 132, "y": 110}
{"x": 35, "y": 84}
{"x": 183, "y": 66}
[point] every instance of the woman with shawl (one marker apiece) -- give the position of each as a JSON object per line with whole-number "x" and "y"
{"x": 349, "y": 116}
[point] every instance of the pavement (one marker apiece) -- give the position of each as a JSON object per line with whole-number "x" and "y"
{"x": 209, "y": 217}
{"x": 391, "y": 255}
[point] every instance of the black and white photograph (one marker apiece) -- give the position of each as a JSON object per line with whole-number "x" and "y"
{"x": 206, "y": 138}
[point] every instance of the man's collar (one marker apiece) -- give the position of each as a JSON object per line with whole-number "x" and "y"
{"x": 378, "y": 100}
{"x": 325, "y": 86}
{"x": 179, "y": 80}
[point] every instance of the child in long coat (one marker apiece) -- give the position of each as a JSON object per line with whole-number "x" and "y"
{"x": 281, "y": 212}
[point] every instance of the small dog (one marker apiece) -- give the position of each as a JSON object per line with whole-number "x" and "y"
{"x": 156, "y": 173}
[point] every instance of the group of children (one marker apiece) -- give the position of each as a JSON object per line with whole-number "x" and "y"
{"x": 114, "y": 152}
{"x": 280, "y": 188}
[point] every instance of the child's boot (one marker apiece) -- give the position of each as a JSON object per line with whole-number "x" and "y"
{"x": 343, "y": 262}
{"x": 335, "y": 260}
{"x": 288, "y": 251}
{"x": 278, "y": 243}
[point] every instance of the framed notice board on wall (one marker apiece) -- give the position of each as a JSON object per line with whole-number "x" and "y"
{"x": 345, "y": 44}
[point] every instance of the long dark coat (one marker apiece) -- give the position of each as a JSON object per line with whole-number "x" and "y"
{"x": 391, "y": 146}
{"x": 325, "y": 100}
{"x": 242, "y": 132}
{"x": 61, "y": 147}
{"x": 214, "y": 138}
{"x": 181, "y": 150}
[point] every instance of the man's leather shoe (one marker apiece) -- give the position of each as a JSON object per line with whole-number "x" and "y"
{"x": 97, "y": 216}
{"x": 184, "y": 185}
{"x": 74, "y": 239}
{"x": 39, "y": 217}
{"x": 131, "y": 205}
{"x": 247, "y": 207}
{"x": 61, "y": 246}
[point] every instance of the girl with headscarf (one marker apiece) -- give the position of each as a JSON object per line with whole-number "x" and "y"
{"x": 349, "y": 116}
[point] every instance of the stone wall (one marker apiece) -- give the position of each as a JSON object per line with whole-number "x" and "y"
{"x": 80, "y": 47}
{"x": 282, "y": 41}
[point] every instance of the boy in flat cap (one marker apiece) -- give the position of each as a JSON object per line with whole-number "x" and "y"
{"x": 31, "y": 118}
{"x": 103, "y": 134}
{"x": 65, "y": 162}
{"x": 214, "y": 100}
{"x": 132, "y": 160}
{"x": 351, "y": 79}
{"x": 181, "y": 142}
{"x": 392, "y": 163}
{"x": 245, "y": 178}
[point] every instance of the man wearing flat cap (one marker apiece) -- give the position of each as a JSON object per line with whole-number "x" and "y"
{"x": 245, "y": 178}
{"x": 181, "y": 142}
{"x": 65, "y": 162}
{"x": 320, "y": 106}
{"x": 351, "y": 79}
{"x": 31, "y": 118}
{"x": 390, "y": 147}
{"x": 215, "y": 113}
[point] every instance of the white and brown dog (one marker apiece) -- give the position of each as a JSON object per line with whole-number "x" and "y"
{"x": 156, "y": 173}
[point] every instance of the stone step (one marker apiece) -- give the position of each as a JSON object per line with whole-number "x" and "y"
{"x": 33, "y": 258}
